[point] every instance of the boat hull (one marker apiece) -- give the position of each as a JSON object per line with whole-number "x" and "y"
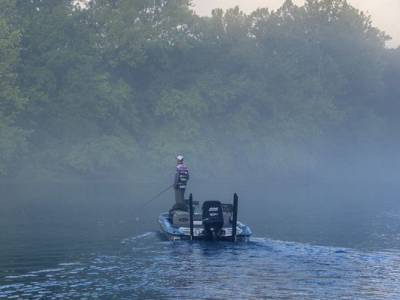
{"x": 174, "y": 233}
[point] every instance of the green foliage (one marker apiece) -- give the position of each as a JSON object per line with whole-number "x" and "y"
{"x": 121, "y": 86}
{"x": 11, "y": 100}
{"x": 102, "y": 154}
{"x": 12, "y": 138}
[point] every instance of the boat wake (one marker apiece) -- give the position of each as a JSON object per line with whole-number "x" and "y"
{"x": 138, "y": 237}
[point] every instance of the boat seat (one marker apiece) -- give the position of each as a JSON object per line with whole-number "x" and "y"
{"x": 180, "y": 218}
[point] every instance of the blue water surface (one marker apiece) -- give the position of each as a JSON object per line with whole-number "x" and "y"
{"x": 146, "y": 267}
{"x": 94, "y": 243}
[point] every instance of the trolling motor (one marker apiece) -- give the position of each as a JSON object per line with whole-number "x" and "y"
{"x": 213, "y": 218}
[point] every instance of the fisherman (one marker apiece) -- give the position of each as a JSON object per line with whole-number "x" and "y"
{"x": 180, "y": 183}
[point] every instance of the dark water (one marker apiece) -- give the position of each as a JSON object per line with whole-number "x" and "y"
{"x": 69, "y": 242}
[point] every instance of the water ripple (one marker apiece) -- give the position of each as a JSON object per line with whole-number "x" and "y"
{"x": 147, "y": 268}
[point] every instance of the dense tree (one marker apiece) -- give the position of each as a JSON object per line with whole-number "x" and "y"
{"x": 12, "y": 138}
{"x": 119, "y": 86}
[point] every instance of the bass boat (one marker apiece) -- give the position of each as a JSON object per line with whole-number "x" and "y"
{"x": 214, "y": 221}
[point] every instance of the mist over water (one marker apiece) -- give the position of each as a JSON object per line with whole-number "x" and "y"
{"x": 311, "y": 240}
{"x": 296, "y": 110}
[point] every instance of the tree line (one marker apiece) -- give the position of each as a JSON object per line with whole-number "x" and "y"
{"x": 118, "y": 87}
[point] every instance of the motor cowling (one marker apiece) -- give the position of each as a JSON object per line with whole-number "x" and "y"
{"x": 213, "y": 218}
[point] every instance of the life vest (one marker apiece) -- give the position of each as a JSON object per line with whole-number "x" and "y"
{"x": 182, "y": 176}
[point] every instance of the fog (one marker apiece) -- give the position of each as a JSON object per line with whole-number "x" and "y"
{"x": 263, "y": 105}
{"x": 295, "y": 110}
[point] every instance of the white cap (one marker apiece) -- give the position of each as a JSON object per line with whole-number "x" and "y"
{"x": 179, "y": 157}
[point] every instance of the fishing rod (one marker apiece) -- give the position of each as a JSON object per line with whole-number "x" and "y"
{"x": 154, "y": 198}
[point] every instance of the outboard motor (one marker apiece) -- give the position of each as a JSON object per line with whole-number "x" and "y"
{"x": 213, "y": 218}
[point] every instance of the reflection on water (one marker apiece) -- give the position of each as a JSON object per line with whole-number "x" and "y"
{"x": 86, "y": 243}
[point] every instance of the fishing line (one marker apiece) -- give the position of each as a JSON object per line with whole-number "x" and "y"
{"x": 154, "y": 198}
